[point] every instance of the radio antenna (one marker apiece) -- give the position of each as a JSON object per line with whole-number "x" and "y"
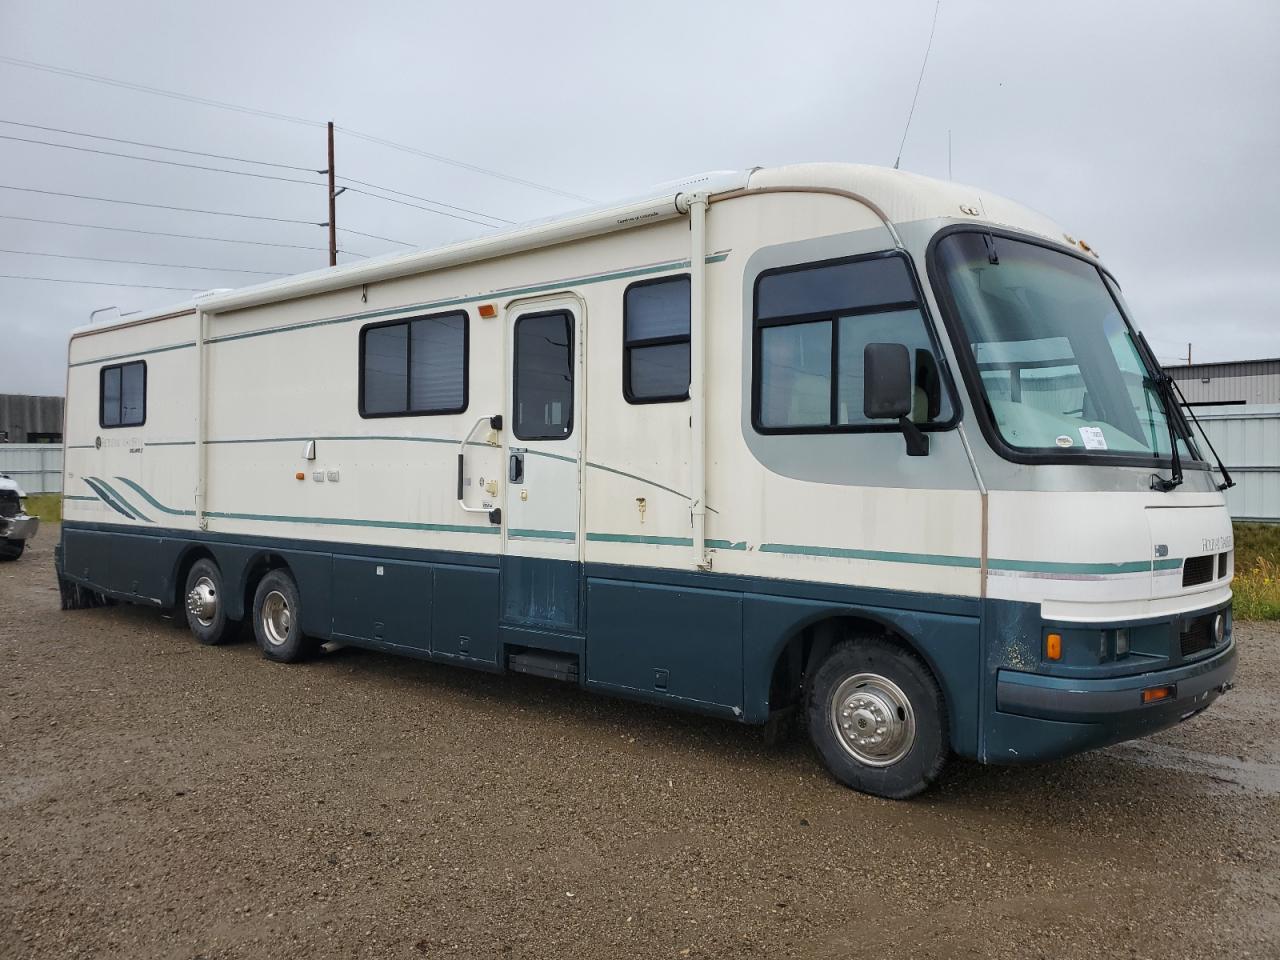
{"x": 919, "y": 80}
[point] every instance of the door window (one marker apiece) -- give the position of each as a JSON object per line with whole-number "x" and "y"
{"x": 544, "y": 376}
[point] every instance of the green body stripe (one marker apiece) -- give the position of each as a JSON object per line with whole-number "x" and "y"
{"x": 459, "y": 301}
{"x": 97, "y": 487}
{"x": 344, "y": 522}
{"x": 567, "y": 535}
{"x": 889, "y": 556}
{"x": 1052, "y": 566}
{"x": 153, "y": 501}
{"x": 120, "y": 498}
{"x": 136, "y": 353}
{"x": 74, "y": 497}
{"x": 640, "y": 538}
{"x": 431, "y": 305}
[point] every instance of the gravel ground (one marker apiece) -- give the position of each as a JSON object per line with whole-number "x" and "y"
{"x": 163, "y": 799}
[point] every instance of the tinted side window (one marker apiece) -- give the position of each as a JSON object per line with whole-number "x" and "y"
{"x": 812, "y": 325}
{"x": 414, "y": 367}
{"x": 655, "y": 351}
{"x": 544, "y": 376}
{"x": 122, "y": 400}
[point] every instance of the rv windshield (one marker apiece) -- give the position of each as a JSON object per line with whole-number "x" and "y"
{"x": 1058, "y": 363}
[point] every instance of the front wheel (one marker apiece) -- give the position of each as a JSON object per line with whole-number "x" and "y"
{"x": 277, "y": 621}
{"x": 876, "y": 716}
{"x": 12, "y": 549}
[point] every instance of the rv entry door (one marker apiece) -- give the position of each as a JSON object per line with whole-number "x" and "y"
{"x": 541, "y": 569}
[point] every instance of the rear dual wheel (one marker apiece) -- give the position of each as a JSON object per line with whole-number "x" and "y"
{"x": 277, "y": 621}
{"x": 876, "y": 716}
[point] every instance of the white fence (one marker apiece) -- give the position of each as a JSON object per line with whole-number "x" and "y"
{"x": 36, "y": 466}
{"x": 1248, "y": 440}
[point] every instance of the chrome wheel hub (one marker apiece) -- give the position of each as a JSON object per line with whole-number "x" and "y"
{"x": 873, "y": 719}
{"x": 276, "y": 618}
{"x": 202, "y": 601}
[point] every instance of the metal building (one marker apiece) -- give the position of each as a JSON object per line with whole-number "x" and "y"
{"x": 1238, "y": 404}
{"x": 28, "y": 419}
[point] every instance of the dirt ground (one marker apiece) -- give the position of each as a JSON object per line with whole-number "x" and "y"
{"x": 163, "y": 799}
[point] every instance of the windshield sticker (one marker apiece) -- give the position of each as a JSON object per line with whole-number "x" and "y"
{"x": 1064, "y": 441}
{"x": 1092, "y": 438}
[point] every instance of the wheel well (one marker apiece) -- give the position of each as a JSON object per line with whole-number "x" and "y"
{"x": 262, "y": 564}
{"x": 184, "y": 567}
{"x": 809, "y": 645}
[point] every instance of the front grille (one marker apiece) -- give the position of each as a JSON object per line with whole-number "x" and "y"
{"x": 1197, "y": 636}
{"x": 1197, "y": 570}
{"x": 1222, "y": 565}
{"x": 9, "y": 504}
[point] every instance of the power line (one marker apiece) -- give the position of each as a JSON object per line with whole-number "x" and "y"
{"x": 264, "y": 177}
{"x": 417, "y": 206}
{"x": 168, "y": 163}
{"x": 474, "y": 168}
{"x": 162, "y": 206}
{"x": 143, "y": 263}
{"x": 919, "y": 80}
{"x": 374, "y": 236}
{"x": 156, "y": 91}
{"x": 414, "y": 196}
{"x": 159, "y": 233}
{"x": 97, "y": 283}
{"x": 156, "y": 146}
{"x": 251, "y": 111}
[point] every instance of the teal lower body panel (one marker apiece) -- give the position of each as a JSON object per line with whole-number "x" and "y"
{"x": 711, "y": 642}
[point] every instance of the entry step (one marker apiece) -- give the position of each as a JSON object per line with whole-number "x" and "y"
{"x": 543, "y": 663}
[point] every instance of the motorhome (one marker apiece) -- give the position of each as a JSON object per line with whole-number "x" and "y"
{"x": 831, "y": 441}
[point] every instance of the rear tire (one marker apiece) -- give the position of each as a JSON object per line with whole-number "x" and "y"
{"x": 277, "y": 620}
{"x": 206, "y": 605}
{"x": 875, "y": 715}
{"x": 12, "y": 549}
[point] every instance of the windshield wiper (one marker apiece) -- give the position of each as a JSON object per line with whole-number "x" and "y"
{"x": 1164, "y": 389}
{"x": 1227, "y": 482}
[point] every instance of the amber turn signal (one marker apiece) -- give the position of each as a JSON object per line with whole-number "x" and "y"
{"x": 1053, "y": 646}
{"x": 299, "y": 475}
{"x": 1152, "y": 694}
{"x": 488, "y": 311}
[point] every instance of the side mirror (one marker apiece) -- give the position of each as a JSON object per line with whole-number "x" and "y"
{"x": 888, "y": 390}
{"x": 886, "y": 385}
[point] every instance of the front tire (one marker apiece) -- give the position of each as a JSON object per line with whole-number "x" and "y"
{"x": 277, "y": 620}
{"x": 12, "y": 549}
{"x": 206, "y": 604}
{"x": 876, "y": 717}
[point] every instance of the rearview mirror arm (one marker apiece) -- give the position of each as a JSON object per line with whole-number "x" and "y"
{"x": 917, "y": 439}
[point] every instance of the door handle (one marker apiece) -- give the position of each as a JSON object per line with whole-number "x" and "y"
{"x": 515, "y": 468}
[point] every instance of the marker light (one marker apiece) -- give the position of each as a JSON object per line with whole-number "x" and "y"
{"x": 299, "y": 475}
{"x": 1053, "y": 646}
{"x": 488, "y": 311}
{"x": 1153, "y": 694}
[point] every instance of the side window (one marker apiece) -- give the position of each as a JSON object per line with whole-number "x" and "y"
{"x": 812, "y": 324}
{"x": 414, "y": 367}
{"x": 122, "y": 396}
{"x": 544, "y": 376}
{"x": 655, "y": 340}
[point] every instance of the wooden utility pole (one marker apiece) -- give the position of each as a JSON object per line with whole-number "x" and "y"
{"x": 333, "y": 206}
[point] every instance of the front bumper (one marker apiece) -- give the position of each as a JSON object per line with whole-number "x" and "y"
{"x": 1041, "y": 718}
{"x": 20, "y": 527}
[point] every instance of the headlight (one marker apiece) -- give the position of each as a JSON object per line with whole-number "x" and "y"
{"x": 1122, "y": 643}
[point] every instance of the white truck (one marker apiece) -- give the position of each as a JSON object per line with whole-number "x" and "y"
{"x": 16, "y": 528}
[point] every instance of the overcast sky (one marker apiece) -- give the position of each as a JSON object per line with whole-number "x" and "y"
{"x": 1150, "y": 129}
